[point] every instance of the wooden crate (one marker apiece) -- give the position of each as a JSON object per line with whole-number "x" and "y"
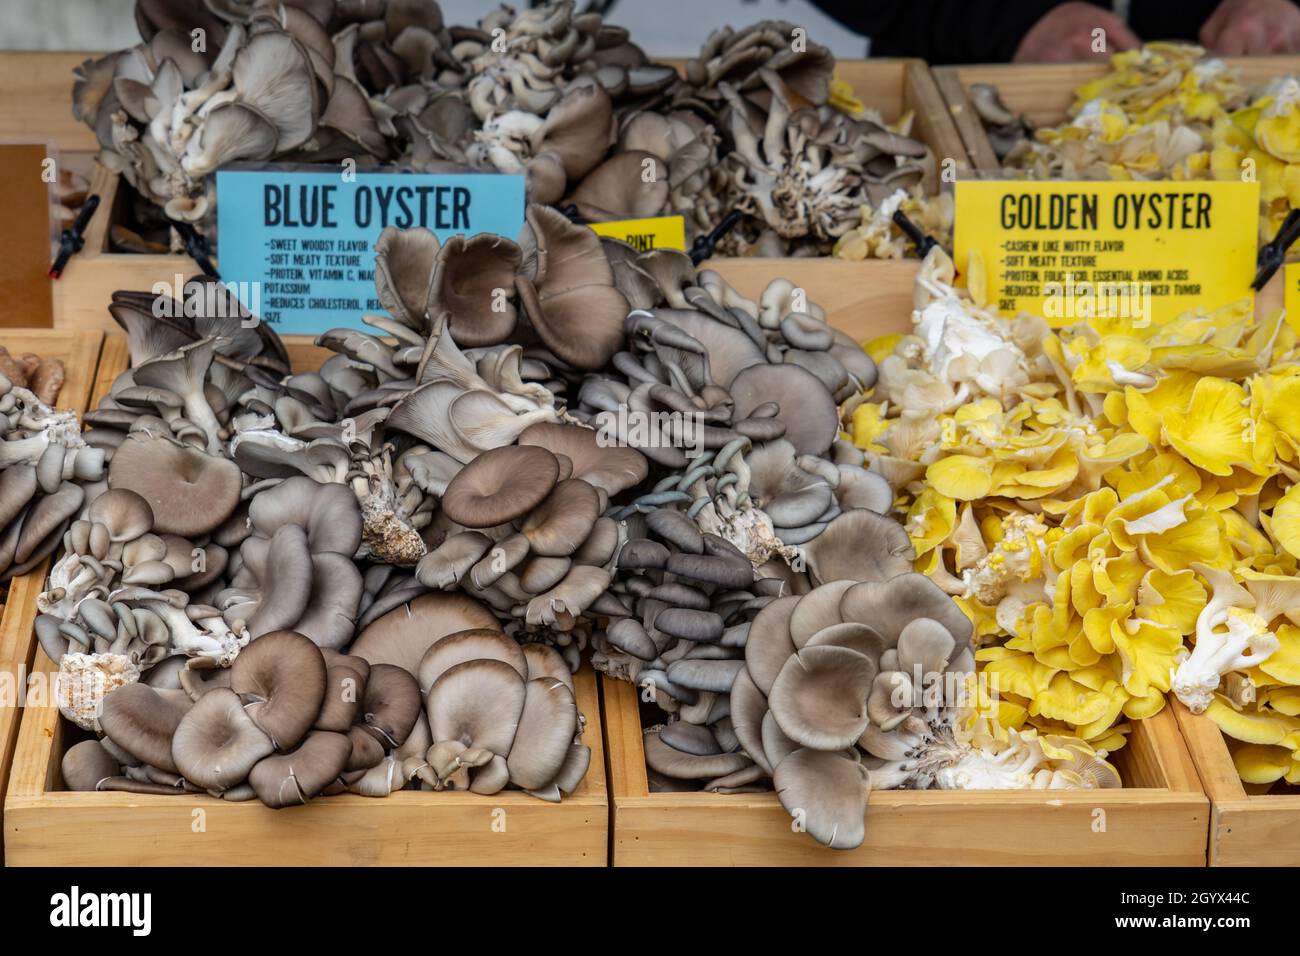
{"x": 1160, "y": 818}
{"x": 1044, "y": 92}
{"x": 46, "y": 826}
{"x": 849, "y": 289}
{"x": 1245, "y": 829}
{"x": 79, "y": 352}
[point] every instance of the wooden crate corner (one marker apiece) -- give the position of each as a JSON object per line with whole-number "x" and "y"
{"x": 1245, "y": 829}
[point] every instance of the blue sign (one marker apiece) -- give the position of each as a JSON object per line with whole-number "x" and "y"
{"x": 298, "y": 246}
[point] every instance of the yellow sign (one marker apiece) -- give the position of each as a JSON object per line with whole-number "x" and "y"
{"x": 1291, "y": 293}
{"x": 1143, "y": 250}
{"x": 661, "y": 232}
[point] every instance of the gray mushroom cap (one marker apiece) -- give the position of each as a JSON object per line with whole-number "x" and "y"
{"x": 86, "y": 764}
{"x": 819, "y": 698}
{"x": 188, "y": 491}
{"x": 478, "y": 703}
{"x": 828, "y": 792}
{"x": 547, "y": 726}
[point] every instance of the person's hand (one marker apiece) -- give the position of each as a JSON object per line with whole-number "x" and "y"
{"x": 1066, "y": 33}
{"x": 1238, "y": 27}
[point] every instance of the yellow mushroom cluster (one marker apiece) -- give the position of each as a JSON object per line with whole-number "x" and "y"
{"x": 878, "y": 236}
{"x": 1167, "y": 111}
{"x": 1116, "y": 505}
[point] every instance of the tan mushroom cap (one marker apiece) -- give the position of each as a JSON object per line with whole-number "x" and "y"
{"x": 545, "y": 661}
{"x": 189, "y": 491}
{"x": 560, "y": 524}
{"x": 344, "y": 690}
{"x": 392, "y": 704}
{"x": 124, "y": 513}
{"x": 404, "y": 263}
{"x": 286, "y": 780}
{"x": 216, "y": 744}
{"x": 631, "y": 184}
{"x": 470, "y": 645}
{"x": 403, "y": 635}
{"x": 571, "y": 302}
{"x": 472, "y": 282}
{"x": 500, "y": 485}
{"x": 613, "y": 469}
{"x": 478, "y": 703}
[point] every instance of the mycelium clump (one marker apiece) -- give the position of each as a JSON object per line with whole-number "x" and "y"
{"x": 752, "y": 124}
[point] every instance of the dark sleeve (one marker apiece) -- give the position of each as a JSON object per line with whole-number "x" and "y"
{"x": 940, "y": 31}
{"x": 1163, "y": 20}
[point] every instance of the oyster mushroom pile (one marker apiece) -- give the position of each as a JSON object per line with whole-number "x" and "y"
{"x": 44, "y": 464}
{"x": 218, "y": 581}
{"x": 547, "y": 91}
{"x": 290, "y": 720}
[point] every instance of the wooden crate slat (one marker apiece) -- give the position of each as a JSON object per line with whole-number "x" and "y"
{"x": 1160, "y": 822}
{"x": 36, "y": 100}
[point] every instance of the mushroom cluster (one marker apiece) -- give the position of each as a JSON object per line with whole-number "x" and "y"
{"x": 290, "y": 720}
{"x": 231, "y": 541}
{"x": 44, "y": 463}
{"x": 40, "y": 375}
{"x": 383, "y": 574}
{"x": 556, "y": 94}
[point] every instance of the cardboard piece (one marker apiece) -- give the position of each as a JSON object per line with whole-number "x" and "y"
{"x": 26, "y": 299}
